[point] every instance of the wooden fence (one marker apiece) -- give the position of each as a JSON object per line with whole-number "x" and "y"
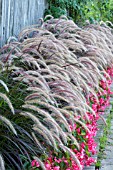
{"x": 16, "y": 14}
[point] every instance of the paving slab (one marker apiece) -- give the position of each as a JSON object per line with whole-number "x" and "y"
{"x": 107, "y": 167}
{"x": 107, "y": 162}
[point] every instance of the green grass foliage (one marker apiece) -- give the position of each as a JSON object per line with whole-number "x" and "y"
{"x": 81, "y": 10}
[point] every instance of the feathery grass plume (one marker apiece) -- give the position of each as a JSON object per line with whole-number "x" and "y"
{"x": 41, "y": 126}
{"x": 56, "y": 137}
{"x": 83, "y": 124}
{"x": 43, "y": 64}
{"x": 41, "y": 132}
{"x": 40, "y": 91}
{"x": 60, "y": 25}
{"x": 1, "y": 66}
{"x": 12, "y": 68}
{"x": 88, "y": 34}
{"x": 38, "y": 94}
{"x": 4, "y": 85}
{"x": 8, "y": 56}
{"x": 62, "y": 88}
{"x": 40, "y": 162}
{"x": 92, "y": 79}
{"x": 65, "y": 75}
{"x": 8, "y": 123}
{"x": 74, "y": 46}
{"x": 35, "y": 101}
{"x": 108, "y": 22}
{"x": 82, "y": 111}
{"x": 2, "y": 166}
{"x": 72, "y": 79}
{"x": 9, "y": 49}
{"x": 73, "y": 139}
{"x": 98, "y": 60}
{"x": 69, "y": 94}
{"x": 48, "y": 47}
{"x": 59, "y": 134}
{"x": 37, "y": 141}
{"x": 80, "y": 107}
{"x": 31, "y": 62}
{"x": 87, "y": 37}
{"x": 54, "y": 61}
{"x": 57, "y": 114}
{"x": 48, "y": 16}
{"x": 35, "y": 64}
{"x": 32, "y": 32}
{"x": 45, "y": 71}
{"x": 6, "y": 48}
{"x": 89, "y": 108}
{"x": 74, "y": 37}
{"x": 32, "y": 50}
{"x": 75, "y": 76}
{"x": 90, "y": 64}
{"x": 66, "y": 88}
{"x": 103, "y": 119}
{"x": 53, "y": 125}
{"x": 12, "y": 39}
{"x": 69, "y": 116}
{"x": 72, "y": 154}
{"x": 8, "y": 102}
{"x": 44, "y": 113}
{"x": 38, "y": 75}
{"x": 33, "y": 79}
{"x": 87, "y": 88}
{"x": 80, "y": 75}
{"x": 39, "y": 45}
{"x": 55, "y": 76}
{"x": 59, "y": 97}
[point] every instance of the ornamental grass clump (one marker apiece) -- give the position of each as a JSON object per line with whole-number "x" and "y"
{"x": 59, "y": 78}
{"x": 17, "y": 145}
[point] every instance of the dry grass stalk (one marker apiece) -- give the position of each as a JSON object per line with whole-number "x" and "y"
{"x": 40, "y": 162}
{"x": 2, "y": 166}
{"x": 8, "y": 102}
{"x": 72, "y": 154}
{"x": 41, "y": 127}
{"x": 4, "y": 85}
{"x": 8, "y": 124}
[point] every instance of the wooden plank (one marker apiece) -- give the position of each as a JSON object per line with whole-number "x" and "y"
{"x": 0, "y": 18}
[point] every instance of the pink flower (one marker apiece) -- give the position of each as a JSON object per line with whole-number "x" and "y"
{"x": 94, "y": 107}
{"x": 101, "y": 101}
{"x": 48, "y": 165}
{"x": 35, "y": 163}
{"x": 72, "y": 127}
{"x": 90, "y": 161}
{"x": 78, "y": 130}
{"x": 56, "y": 168}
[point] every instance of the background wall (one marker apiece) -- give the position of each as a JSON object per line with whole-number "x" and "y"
{"x": 16, "y": 14}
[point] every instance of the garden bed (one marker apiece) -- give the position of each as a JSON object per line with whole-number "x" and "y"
{"x": 56, "y": 81}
